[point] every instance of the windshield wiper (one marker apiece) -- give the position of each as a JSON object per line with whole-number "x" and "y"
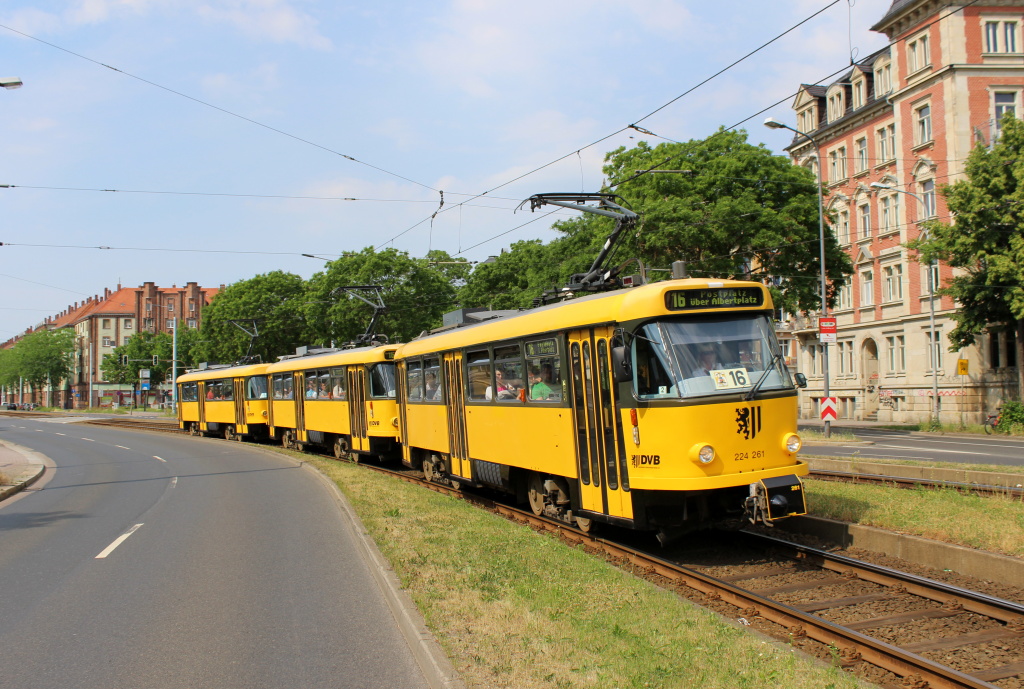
{"x": 767, "y": 369}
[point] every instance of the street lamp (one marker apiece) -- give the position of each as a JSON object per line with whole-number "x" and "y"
{"x": 933, "y": 343}
{"x": 772, "y": 123}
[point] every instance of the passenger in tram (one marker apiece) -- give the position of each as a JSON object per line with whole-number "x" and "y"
{"x": 539, "y": 389}
{"x": 505, "y": 391}
{"x": 433, "y": 391}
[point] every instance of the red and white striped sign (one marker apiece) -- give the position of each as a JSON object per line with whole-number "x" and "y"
{"x": 829, "y": 408}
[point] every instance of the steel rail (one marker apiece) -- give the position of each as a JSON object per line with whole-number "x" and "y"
{"x": 908, "y": 482}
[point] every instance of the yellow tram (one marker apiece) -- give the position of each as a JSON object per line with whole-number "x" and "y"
{"x": 224, "y": 400}
{"x": 602, "y": 409}
{"x": 341, "y": 399}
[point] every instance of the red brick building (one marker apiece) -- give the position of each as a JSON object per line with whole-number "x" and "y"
{"x": 891, "y": 132}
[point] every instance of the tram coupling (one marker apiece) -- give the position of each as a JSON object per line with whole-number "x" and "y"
{"x": 775, "y": 498}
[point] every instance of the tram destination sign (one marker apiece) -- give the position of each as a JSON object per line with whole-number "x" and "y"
{"x": 713, "y": 298}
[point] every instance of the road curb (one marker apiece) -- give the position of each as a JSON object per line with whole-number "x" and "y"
{"x": 33, "y": 460}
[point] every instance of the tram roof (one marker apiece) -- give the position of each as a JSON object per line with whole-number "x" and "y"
{"x": 340, "y": 357}
{"x": 609, "y": 307}
{"x": 216, "y": 372}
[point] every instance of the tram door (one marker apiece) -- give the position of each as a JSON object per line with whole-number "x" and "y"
{"x": 357, "y": 408}
{"x": 455, "y": 395}
{"x": 299, "y": 386}
{"x": 600, "y": 449}
{"x": 202, "y": 405}
{"x": 240, "y": 404}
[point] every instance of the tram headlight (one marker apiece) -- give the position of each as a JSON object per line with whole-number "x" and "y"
{"x": 791, "y": 443}
{"x": 702, "y": 454}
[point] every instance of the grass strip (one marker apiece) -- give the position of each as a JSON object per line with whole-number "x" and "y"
{"x": 515, "y": 608}
{"x": 994, "y": 523}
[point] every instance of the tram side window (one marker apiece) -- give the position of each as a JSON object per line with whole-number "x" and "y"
{"x": 382, "y": 380}
{"x": 508, "y": 373}
{"x": 282, "y": 386}
{"x": 220, "y": 389}
{"x": 338, "y": 383}
{"x": 256, "y": 388}
{"x": 478, "y": 380}
{"x": 432, "y": 388}
{"x": 414, "y": 379}
{"x": 545, "y": 379}
{"x": 189, "y": 392}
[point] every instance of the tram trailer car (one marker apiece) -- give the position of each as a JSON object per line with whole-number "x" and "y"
{"x": 598, "y": 410}
{"x": 344, "y": 400}
{"x": 229, "y": 401}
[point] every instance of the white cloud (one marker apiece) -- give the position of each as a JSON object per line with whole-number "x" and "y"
{"x": 275, "y": 20}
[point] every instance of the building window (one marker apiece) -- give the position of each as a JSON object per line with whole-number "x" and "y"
{"x": 191, "y": 304}
{"x": 806, "y": 119}
{"x": 923, "y": 124}
{"x": 935, "y": 339}
{"x": 1005, "y": 104}
{"x": 861, "y": 146}
{"x": 843, "y": 227}
{"x": 147, "y": 323}
{"x": 883, "y": 79}
{"x": 149, "y": 307}
{"x": 931, "y": 278}
{"x": 892, "y": 285}
{"x": 106, "y": 324}
{"x": 897, "y": 350}
{"x": 1000, "y": 37}
{"x": 865, "y": 220}
{"x": 836, "y": 106}
{"x": 858, "y": 93}
{"x": 837, "y": 164}
{"x": 928, "y": 198}
{"x": 191, "y": 322}
{"x": 844, "y": 351}
{"x": 126, "y": 339}
{"x": 845, "y": 300}
{"x": 169, "y": 324}
{"x": 108, "y": 341}
{"x": 886, "y": 143}
{"x": 917, "y": 54}
{"x": 890, "y": 214}
{"x": 170, "y": 306}
{"x": 812, "y": 354}
{"x": 867, "y": 288}
{"x": 127, "y": 324}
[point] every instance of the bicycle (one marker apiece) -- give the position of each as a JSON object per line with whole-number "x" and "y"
{"x": 992, "y": 421}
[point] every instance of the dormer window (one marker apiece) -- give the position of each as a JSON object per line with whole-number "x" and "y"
{"x": 836, "y": 105}
{"x": 883, "y": 79}
{"x": 859, "y": 89}
{"x": 807, "y": 119}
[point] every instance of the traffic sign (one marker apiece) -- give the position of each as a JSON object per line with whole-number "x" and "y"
{"x": 962, "y": 368}
{"x": 145, "y": 385}
{"x": 144, "y": 373}
{"x": 827, "y": 330}
{"x": 829, "y": 408}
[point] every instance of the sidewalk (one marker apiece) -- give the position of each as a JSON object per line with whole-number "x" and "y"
{"x": 20, "y": 466}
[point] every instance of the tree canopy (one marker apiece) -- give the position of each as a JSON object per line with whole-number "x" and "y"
{"x": 39, "y": 358}
{"x": 986, "y": 241}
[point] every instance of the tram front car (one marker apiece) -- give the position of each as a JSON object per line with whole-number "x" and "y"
{"x": 710, "y": 426}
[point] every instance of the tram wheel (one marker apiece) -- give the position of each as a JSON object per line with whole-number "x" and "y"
{"x": 430, "y": 470}
{"x": 585, "y": 525}
{"x": 341, "y": 449}
{"x": 229, "y": 433}
{"x": 193, "y": 429}
{"x": 535, "y": 492}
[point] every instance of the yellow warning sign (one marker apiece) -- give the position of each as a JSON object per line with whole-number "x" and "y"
{"x": 961, "y": 367}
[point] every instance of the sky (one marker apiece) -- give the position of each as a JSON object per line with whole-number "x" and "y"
{"x": 214, "y": 140}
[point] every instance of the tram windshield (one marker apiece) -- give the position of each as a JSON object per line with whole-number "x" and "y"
{"x": 709, "y": 355}
{"x": 382, "y": 380}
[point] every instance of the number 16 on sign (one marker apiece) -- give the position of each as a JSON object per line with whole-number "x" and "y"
{"x": 829, "y": 408}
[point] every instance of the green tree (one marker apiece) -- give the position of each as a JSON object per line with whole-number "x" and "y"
{"x": 415, "y": 292}
{"x": 275, "y": 300}
{"x": 44, "y": 357}
{"x": 986, "y": 242}
{"x": 514, "y": 278}
{"x": 731, "y": 210}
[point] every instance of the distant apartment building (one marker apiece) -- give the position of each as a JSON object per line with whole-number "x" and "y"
{"x": 889, "y": 133}
{"x": 102, "y": 323}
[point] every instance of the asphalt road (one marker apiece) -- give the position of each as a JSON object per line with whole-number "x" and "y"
{"x": 157, "y": 561}
{"x": 886, "y": 444}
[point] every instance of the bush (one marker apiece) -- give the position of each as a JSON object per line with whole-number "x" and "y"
{"x": 1012, "y": 417}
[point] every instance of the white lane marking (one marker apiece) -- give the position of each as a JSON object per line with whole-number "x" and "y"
{"x": 89, "y": 439}
{"x": 123, "y": 447}
{"x": 929, "y": 449}
{"x": 160, "y": 458}
{"x": 118, "y": 541}
{"x": 174, "y": 482}
{"x": 58, "y": 434}
{"x": 38, "y": 431}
